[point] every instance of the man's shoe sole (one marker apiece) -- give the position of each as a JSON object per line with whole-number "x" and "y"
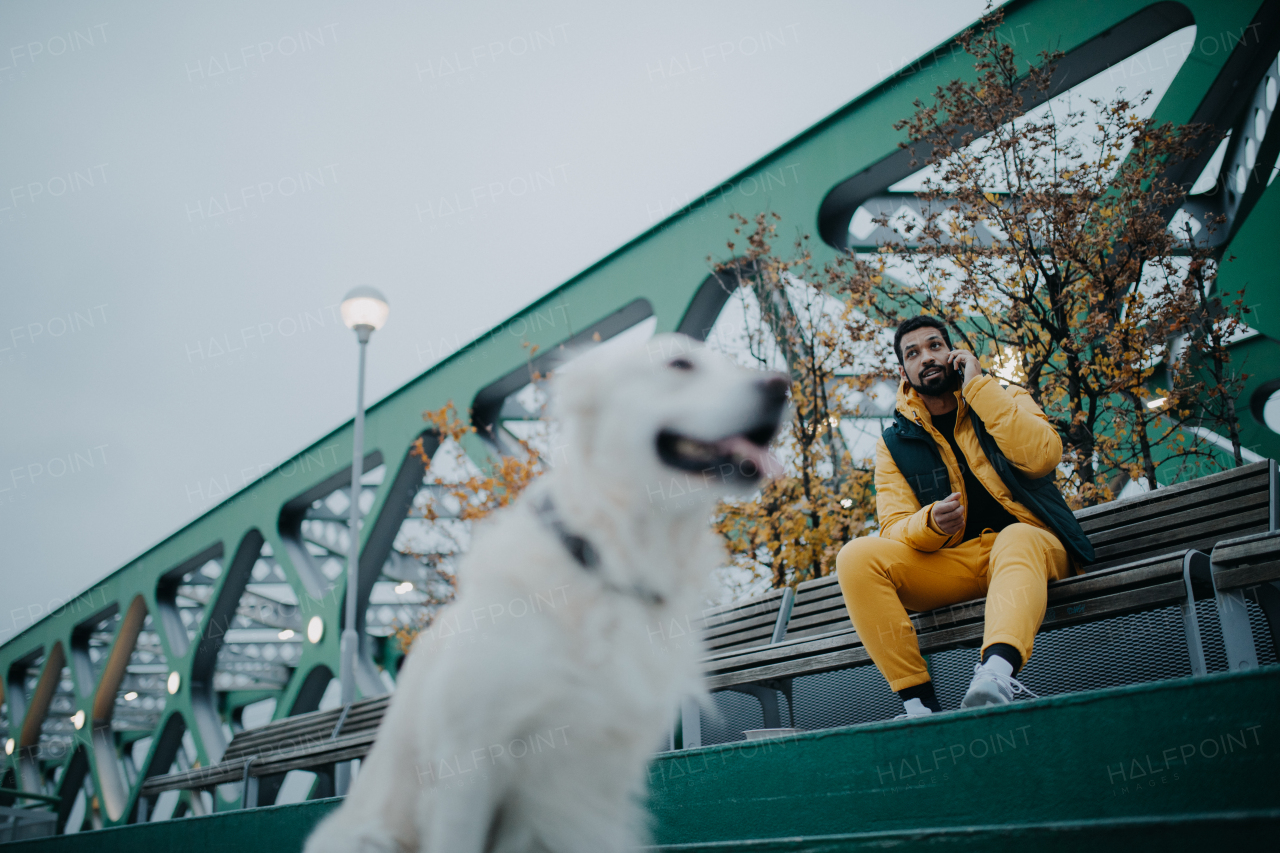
{"x": 982, "y": 698}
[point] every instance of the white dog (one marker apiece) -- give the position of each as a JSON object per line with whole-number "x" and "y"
{"x": 525, "y": 717}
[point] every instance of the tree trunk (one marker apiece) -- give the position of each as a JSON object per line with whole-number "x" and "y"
{"x": 780, "y": 317}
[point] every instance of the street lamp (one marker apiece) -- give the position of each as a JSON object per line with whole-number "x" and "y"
{"x": 363, "y": 310}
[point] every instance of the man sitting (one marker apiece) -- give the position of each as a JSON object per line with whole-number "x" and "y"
{"x": 968, "y": 508}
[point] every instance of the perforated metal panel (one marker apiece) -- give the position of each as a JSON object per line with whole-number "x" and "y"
{"x": 1132, "y": 649}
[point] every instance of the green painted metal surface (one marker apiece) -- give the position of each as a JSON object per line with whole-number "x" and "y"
{"x": 664, "y": 266}
{"x": 1176, "y": 747}
{"x": 273, "y": 829}
{"x": 1249, "y": 268}
{"x": 1176, "y": 762}
{"x": 1244, "y": 830}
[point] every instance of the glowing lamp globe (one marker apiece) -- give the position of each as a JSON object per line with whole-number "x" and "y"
{"x": 366, "y": 307}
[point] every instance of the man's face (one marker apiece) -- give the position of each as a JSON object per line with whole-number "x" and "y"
{"x": 924, "y": 362}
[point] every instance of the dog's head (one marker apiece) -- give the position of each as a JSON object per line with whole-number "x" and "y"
{"x": 670, "y": 407}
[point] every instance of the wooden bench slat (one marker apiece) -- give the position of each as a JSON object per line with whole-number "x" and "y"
{"x": 317, "y": 717}
{"x": 1247, "y": 548}
{"x": 279, "y": 760}
{"x": 1210, "y": 531}
{"x": 724, "y": 611}
{"x": 1250, "y": 575}
{"x": 812, "y": 665}
{"x": 1176, "y": 523}
{"x": 1119, "y": 604}
{"x": 751, "y": 623}
{"x": 345, "y": 749}
{"x": 1203, "y": 538}
{"x": 836, "y": 614}
{"x": 760, "y": 626}
{"x": 306, "y": 734}
{"x": 364, "y": 721}
{"x": 818, "y": 604}
{"x": 1175, "y": 491}
{"x": 806, "y": 599}
{"x": 808, "y": 587}
{"x": 249, "y": 739}
{"x": 750, "y": 643}
{"x": 1097, "y": 570}
{"x": 1204, "y": 545}
{"x": 305, "y": 754}
{"x": 1156, "y": 506}
{"x": 740, "y": 642}
{"x": 1169, "y": 565}
{"x": 819, "y": 609}
{"x": 1227, "y": 510}
{"x": 319, "y": 723}
{"x": 378, "y": 706}
{"x": 782, "y": 652}
{"x": 725, "y": 660}
{"x": 817, "y": 617}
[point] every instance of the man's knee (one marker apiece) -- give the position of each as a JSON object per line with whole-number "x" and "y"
{"x": 1029, "y": 545}
{"x": 1022, "y": 538}
{"x": 864, "y": 559}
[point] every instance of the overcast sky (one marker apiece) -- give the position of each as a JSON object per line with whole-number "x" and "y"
{"x": 173, "y": 174}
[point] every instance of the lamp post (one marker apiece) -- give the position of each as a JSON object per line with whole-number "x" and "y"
{"x": 364, "y": 310}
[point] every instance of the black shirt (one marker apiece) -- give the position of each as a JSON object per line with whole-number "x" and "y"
{"x": 983, "y": 511}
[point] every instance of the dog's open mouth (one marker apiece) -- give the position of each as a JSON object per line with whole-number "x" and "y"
{"x": 745, "y": 454}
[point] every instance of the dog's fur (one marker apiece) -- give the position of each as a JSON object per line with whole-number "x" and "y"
{"x": 524, "y": 718}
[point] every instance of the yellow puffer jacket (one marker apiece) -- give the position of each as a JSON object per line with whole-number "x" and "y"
{"x": 1018, "y": 426}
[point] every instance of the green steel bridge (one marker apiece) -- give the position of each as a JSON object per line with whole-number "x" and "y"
{"x": 152, "y": 668}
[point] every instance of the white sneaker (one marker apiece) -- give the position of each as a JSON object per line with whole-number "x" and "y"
{"x": 991, "y": 688}
{"x": 914, "y": 708}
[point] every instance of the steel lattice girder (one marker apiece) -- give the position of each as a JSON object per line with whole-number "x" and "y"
{"x": 825, "y": 172}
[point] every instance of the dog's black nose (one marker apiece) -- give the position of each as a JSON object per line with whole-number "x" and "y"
{"x": 776, "y": 388}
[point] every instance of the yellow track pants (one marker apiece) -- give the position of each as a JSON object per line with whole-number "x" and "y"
{"x": 882, "y": 578}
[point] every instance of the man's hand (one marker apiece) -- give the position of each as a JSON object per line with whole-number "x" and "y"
{"x": 948, "y": 514}
{"x": 965, "y": 363}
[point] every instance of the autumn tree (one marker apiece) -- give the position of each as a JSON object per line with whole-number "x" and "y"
{"x": 1041, "y": 236}
{"x": 791, "y": 530}
{"x": 455, "y": 499}
{"x": 1210, "y": 320}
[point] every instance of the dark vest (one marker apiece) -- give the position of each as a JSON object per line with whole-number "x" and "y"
{"x": 918, "y": 458}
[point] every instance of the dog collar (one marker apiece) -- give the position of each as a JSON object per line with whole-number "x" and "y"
{"x": 585, "y": 554}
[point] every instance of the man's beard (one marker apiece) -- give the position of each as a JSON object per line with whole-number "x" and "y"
{"x": 939, "y": 385}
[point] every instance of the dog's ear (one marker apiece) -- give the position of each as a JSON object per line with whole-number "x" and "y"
{"x": 577, "y": 394}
